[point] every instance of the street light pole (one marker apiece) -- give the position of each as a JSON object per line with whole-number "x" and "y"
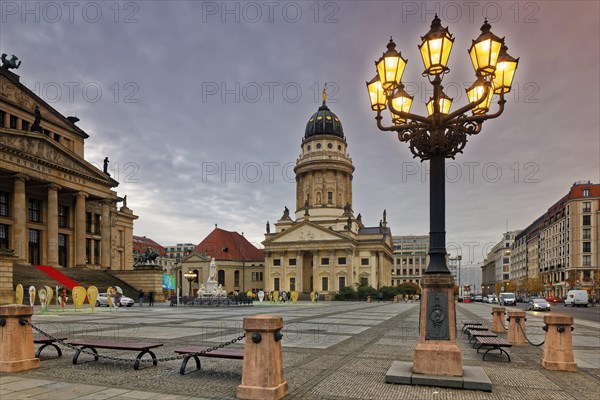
{"x": 190, "y": 276}
{"x": 440, "y": 135}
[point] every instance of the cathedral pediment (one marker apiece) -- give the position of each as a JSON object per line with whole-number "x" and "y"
{"x": 33, "y": 150}
{"x": 306, "y": 232}
{"x": 14, "y": 92}
{"x": 195, "y": 257}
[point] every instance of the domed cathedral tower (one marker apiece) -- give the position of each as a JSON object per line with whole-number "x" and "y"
{"x": 324, "y": 246}
{"x": 324, "y": 169}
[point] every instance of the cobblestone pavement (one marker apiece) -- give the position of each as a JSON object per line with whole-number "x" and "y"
{"x": 335, "y": 350}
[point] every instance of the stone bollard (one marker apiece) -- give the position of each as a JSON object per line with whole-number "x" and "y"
{"x": 16, "y": 352}
{"x": 368, "y": 299}
{"x": 516, "y": 328}
{"x": 558, "y": 343}
{"x": 395, "y": 298}
{"x": 262, "y": 372}
{"x": 498, "y": 319}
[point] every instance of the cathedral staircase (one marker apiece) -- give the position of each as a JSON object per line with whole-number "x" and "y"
{"x": 32, "y": 276}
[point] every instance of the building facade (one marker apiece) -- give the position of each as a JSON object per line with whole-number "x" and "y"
{"x": 56, "y": 208}
{"x": 141, "y": 243}
{"x": 410, "y": 258}
{"x": 240, "y": 265}
{"x": 496, "y": 265}
{"x": 323, "y": 246}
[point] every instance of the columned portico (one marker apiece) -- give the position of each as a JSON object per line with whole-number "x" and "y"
{"x": 20, "y": 219}
{"x": 80, "y": 237}
{"x": 52, "y": 225}
{"x": 105, "y": 235}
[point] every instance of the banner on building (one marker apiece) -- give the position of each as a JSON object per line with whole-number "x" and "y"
{"x": 168, "y": 281}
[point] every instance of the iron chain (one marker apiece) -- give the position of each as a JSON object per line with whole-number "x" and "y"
{"x": 530, "y": 342}
{"x": 163, "y": 359}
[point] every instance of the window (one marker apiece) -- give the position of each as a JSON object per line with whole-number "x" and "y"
{"x": 586, "y": 192}
{"x": 34, "y": 247}
{"x": 63, "y": 213}
{"x": 4, "y": 207}
{"x": 587, "y": 233}
{"x": 2, "y": 118}
{"x": 62, "y": 250}
{"x": 292, "y": 262}
{"x": 236, "y": 278}
{"x": 325, "y": 283}
{"x": 329, "y": 197}
{"x": 96, "y": 252}
{"x": 505, "y": 260}
{"x": 88, "y": 222}
{"x": 587, "y": 206}
{"x": 292, "y": 284}
{"x": 88, "y": 251}
{"x": 587, "y": 220}
{"x": 364, "y": 281}
{"x": 276, "y": 262}
{"x": 276, "y": 284}
{"x": 325, "y": 261}
{"x": 364, "y": 261}
{"x": 221, "y": 277}
{"x": 587, "y": 247}
{"x": 341, "y": 260}
{"x": 25, "y": 125}
{"x": 13, "y": 122}
{"x": 4, "y": 236}
{"x": 96, "y": 223}
{"x": 34, "y": 210}
{"x": 342, "y": 282}
{"x": 257, "y": 277}
{"x": 587, "y": 260}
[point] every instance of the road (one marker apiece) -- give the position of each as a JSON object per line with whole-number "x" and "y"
{"x": 585, "y": 313}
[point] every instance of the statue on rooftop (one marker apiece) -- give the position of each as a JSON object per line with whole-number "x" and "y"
{"x": 10, "y": 64}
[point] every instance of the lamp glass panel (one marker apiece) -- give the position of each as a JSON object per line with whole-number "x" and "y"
{"x": 376, "y": 95}
{"x": 401, "y": 103}
{"x": 505, "y": 73}
{"x": 447, "y": 46}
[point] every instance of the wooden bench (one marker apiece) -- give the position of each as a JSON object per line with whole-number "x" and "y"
{"x": 143, "y": 348}
{"x": 475, "y": 328}
{"x": 475, "y": 333}
{"x": 45, "y": 342}
{"x": 494, "y": 343}
{"x": 195, "y": 353}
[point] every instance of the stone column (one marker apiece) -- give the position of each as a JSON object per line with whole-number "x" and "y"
{"x": 17, "y": 351}
{"x": 299, "y": 272}
{"x": 80, "y": 229}
{"x": 437, "y": 352}
{"x": 263, "y": 348}
{"x": 498, "y": 320}
{"x": 20, "y": 219}
{"x": 315, "y": 269}
{"x": 105, "y": 235}
{"x": 516, "y": 328}
{"x": 558, "y": 343}
{"x": 52, "y": 225}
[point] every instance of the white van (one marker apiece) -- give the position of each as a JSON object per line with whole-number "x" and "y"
{"x": 507, "y": 299}
{"x": 577, "y": 298}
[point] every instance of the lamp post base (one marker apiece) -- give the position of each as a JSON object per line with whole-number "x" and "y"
{"x": 437, "y": 352}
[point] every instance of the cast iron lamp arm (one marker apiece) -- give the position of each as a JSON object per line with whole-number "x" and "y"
{"x": 478, "y": 118}
{"x": 406, "y": 115}
{"x": 398, "y": 128}
{"x": 447, "y": 119}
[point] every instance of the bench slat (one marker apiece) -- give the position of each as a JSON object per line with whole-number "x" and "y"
{"x": 237, "y": 354}
{"x": 115, "y": 345}
{"x": 493, "y": 341}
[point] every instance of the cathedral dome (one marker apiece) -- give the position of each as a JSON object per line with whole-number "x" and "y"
{"x": 324, "y": 122}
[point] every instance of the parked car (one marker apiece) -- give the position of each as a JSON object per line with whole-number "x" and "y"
{"x": 577, "y": 298}
{"x": 507, "y": 299}
{"x": 123, "y": 301}
{"x": 478, "y": 298}
{"x": 492, "y": 299}
{"x": 551, "y": 299}
{"x": 538, "y": 305}
{"x": 485, "y": 299}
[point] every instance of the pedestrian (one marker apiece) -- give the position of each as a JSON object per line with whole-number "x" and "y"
{"x": 141, "y": 297}
{"x": 151, "y": 299}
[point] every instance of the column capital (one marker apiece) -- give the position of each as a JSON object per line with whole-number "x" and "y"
{"x": 53, "y": 186}
{"x": 20, "y": 177}
{"x": 81, "y": 194}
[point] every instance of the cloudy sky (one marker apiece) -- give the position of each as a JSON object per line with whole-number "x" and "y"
{"x": 201, "y": 106}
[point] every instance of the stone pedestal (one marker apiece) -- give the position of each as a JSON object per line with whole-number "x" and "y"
{"x": 437, "y": 352}
{"x": 262, "y": 372}
{"x": 558, "y": 344}
{"x": 16, "y": 352}
{"x": 210, "y": 286}
{"x": 498, "y": 320}
{"x": 516, "y": 328}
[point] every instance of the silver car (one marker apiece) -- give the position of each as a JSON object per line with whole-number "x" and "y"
{"x": 538, "y": 305}
{"x": 123, "y": 301}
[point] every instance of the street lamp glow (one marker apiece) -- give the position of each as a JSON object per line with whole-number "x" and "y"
{"x": 505, "y": 72}
{"x": 476, "y": 92}
{"x": 401, "y": 101}
{"x": 445, "y": 102}
{"x": 485, "y": 51}
{"x": 376, "y": 94}
{"x": 390, "y": 67}
{"x": 435, "y": 48}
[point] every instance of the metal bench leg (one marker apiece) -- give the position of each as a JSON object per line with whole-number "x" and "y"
{"x": 185, "y": 361}
{"x": 42, "y": 347}
{"x": 497, "y": 348}
{"x": 78, "y": 352}
{"x": 136, "y": 365}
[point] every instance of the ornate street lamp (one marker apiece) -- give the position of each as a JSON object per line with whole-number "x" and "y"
{"x": 439, "y": 135}
{"x": 190, "y": 276}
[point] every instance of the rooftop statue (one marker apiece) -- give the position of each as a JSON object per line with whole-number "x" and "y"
{"x": 10, "y": 64}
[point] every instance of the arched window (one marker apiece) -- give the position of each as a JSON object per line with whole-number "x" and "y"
{"x": 197, "y": 278}
{"x": 221, "y": 277}
{"x": 236, "y": 278}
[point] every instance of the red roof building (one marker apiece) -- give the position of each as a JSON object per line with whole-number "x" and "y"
{"x": 229, "y": 246}
{"x": 141, "y": 243}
